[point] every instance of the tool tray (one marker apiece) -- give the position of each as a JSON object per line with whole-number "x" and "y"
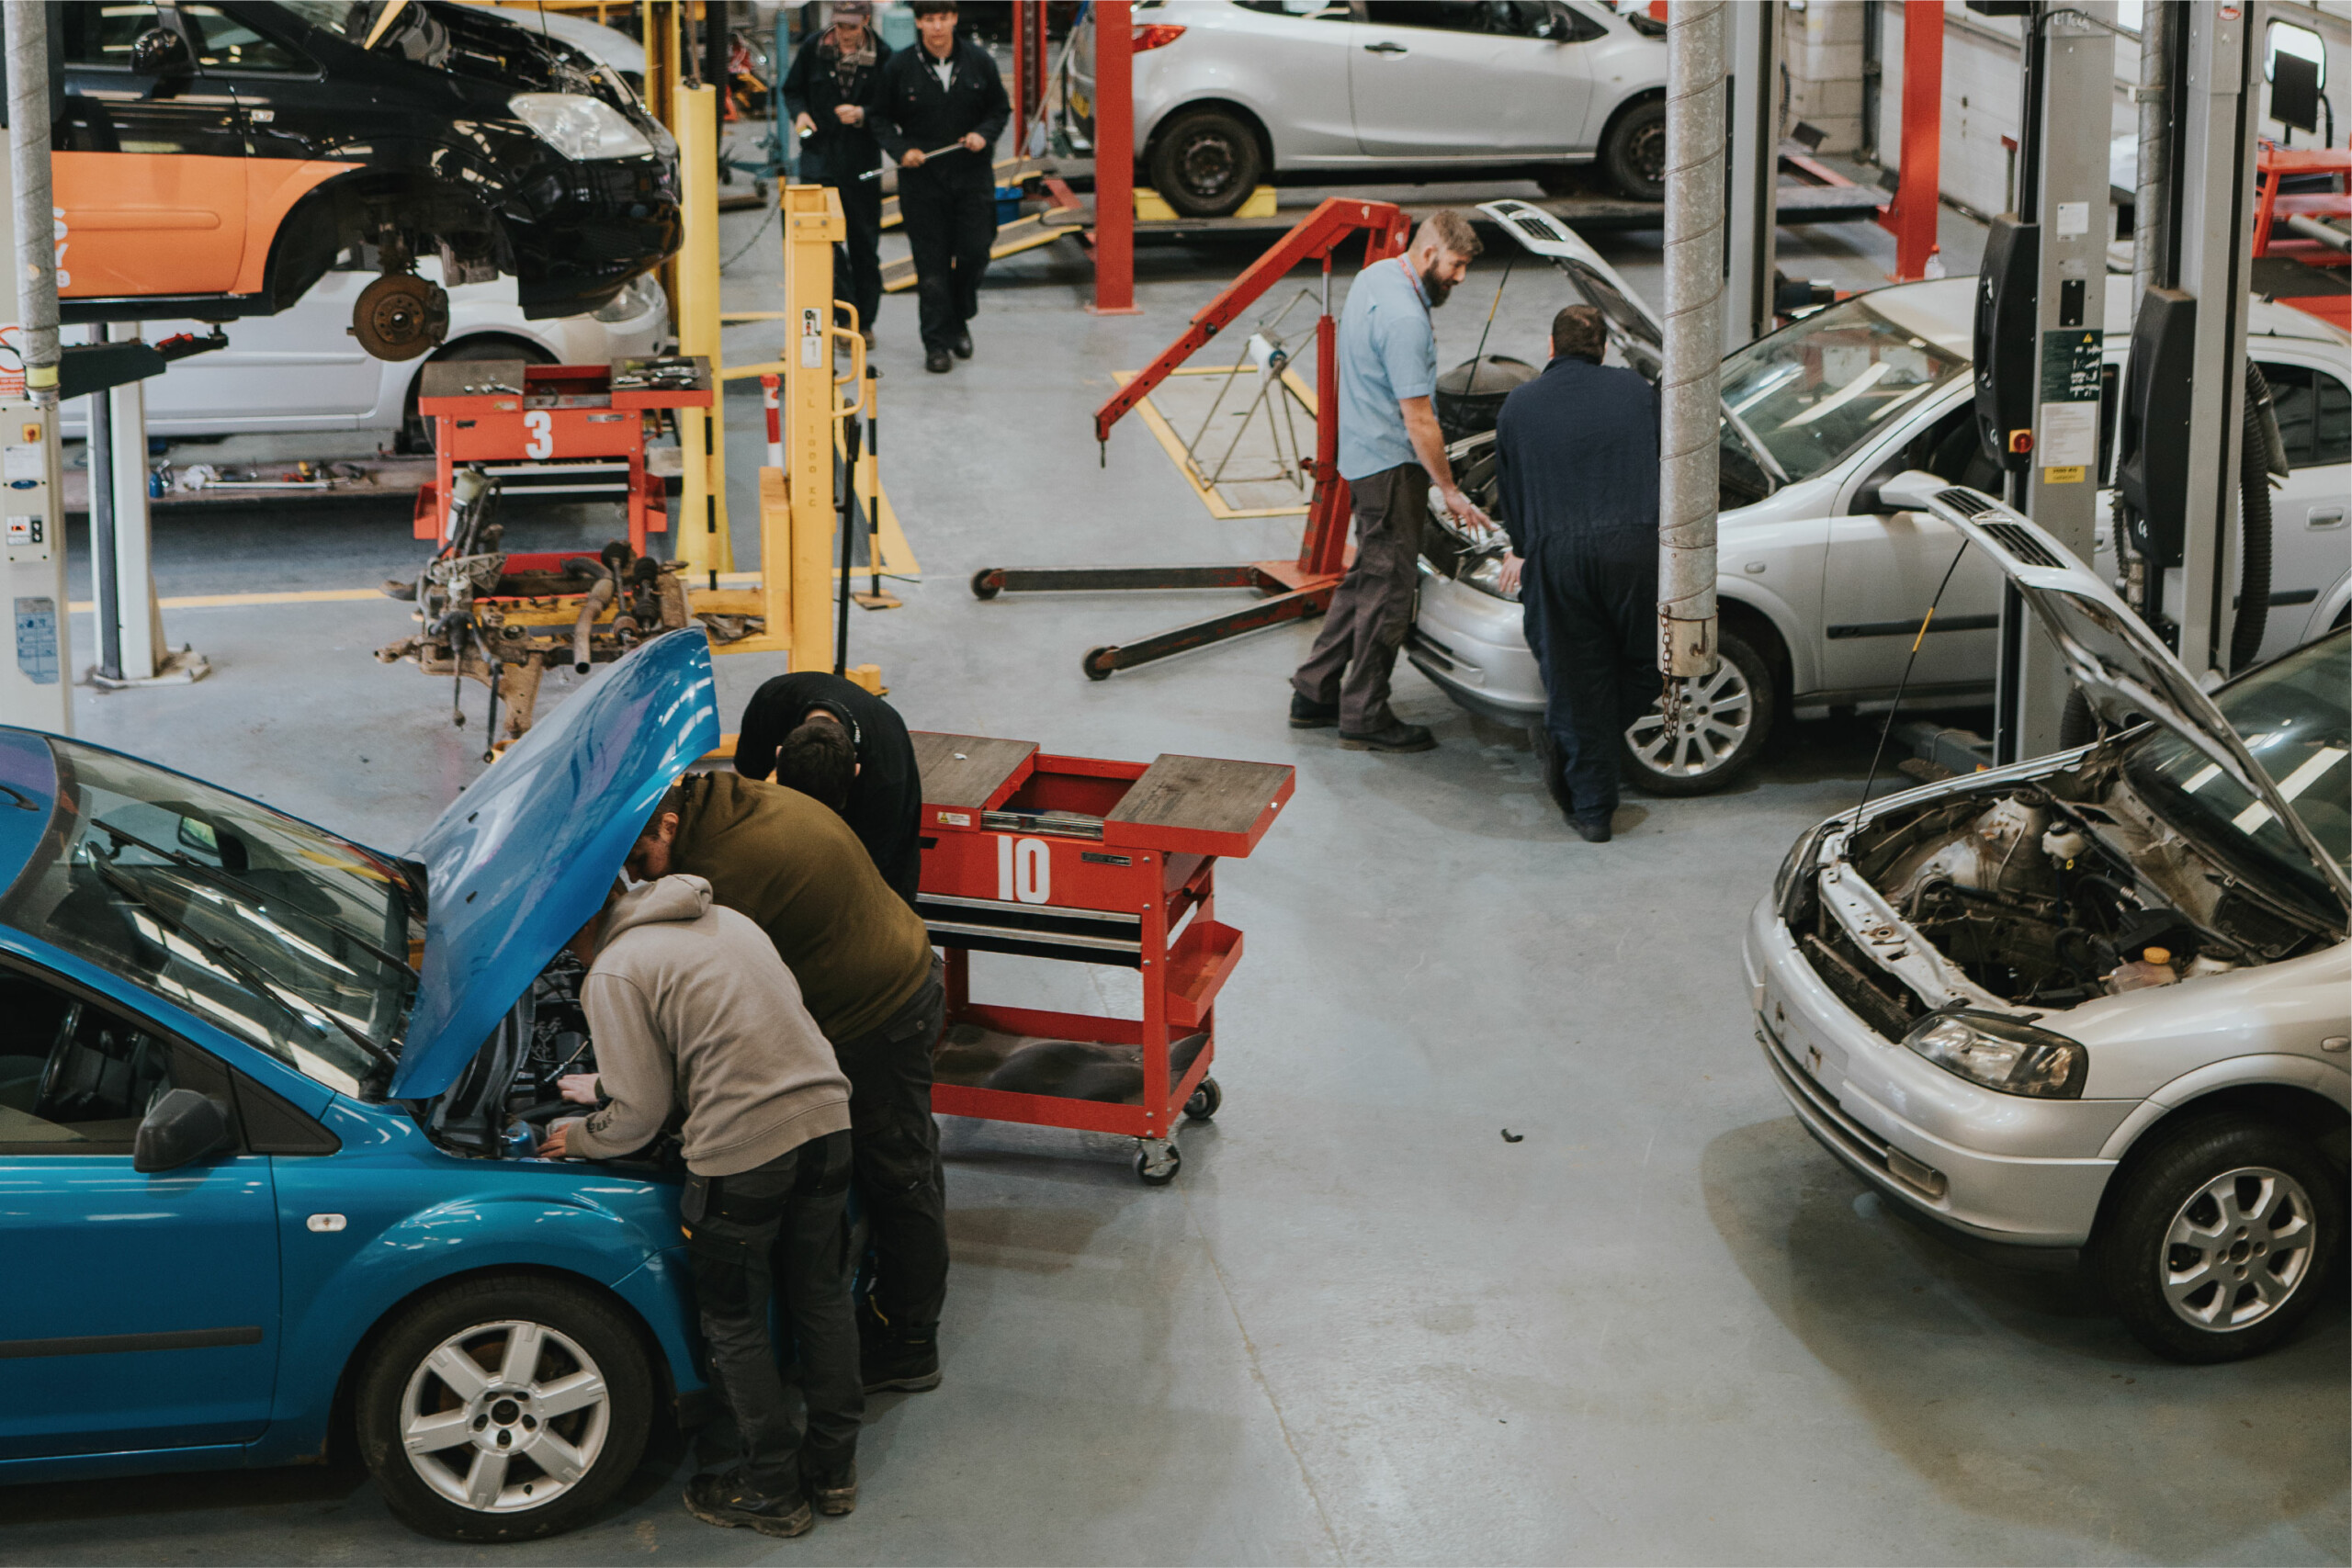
{"x": 1086, "y": 861}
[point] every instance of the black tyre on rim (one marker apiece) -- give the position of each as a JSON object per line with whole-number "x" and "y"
{"x": 1204, "y": 1102}
{"x": 416, "y": 431}
{"x": 1633, "y": 154}
{"x": 1725, "y": 721}
{"x": 505, "y": 1408}
{"x": 1204, "y": 163}
{"x": 1157, "y": 1168}
{"x": 2219, "y": 1237}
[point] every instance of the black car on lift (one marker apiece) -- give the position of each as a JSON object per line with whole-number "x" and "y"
{"x": 211, "y": 161}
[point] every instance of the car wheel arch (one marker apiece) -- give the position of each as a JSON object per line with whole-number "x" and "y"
{"x": 1768, "y": 626}
{"x": 2291, "y": 1090}
{"x": 343, "y": 1411}
{"x": 1624, "y": 106}
{"x": 337, "y": 209}
{"x": 1249, "y": 117}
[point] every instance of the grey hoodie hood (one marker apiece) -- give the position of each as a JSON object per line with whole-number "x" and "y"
{"x": 678, "y": 897}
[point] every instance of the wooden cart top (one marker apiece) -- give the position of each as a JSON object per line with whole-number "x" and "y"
{"x": 472, "y": 387}
{"x": 1187, "y": 805}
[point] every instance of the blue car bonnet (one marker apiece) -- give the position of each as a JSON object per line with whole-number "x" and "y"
{"x": 522, "y": 858}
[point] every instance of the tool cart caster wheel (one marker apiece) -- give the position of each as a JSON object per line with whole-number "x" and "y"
{"x": 1204, "y": 1101}
{"x": 988, "y": 583}
{"x": 1097, "y": 662}
{"x": 1159, "y": 1168}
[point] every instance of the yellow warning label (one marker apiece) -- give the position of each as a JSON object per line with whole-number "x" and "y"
{"x": 2073, "y": 476}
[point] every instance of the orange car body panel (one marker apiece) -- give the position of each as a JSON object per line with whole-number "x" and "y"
{"x": 172, "y": 223}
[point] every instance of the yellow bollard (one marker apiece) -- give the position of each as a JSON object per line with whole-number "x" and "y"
{"x": 700, "y": 527}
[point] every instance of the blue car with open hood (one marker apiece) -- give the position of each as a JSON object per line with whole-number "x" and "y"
{"x": 266, "y": 1105}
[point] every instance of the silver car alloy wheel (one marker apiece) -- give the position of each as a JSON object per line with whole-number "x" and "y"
{"x": 2238, "y": 1248}
{"x": 504, "y": 1416}
{"x": 1717, "y": 712}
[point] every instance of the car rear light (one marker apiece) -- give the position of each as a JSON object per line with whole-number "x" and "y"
{"x": 1155, "y": 35}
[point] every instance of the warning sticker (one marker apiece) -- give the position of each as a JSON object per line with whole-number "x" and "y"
{"x": 2069, "y": 437}
{"x": 812, "y": 339}
{"x": 36, "y": 639}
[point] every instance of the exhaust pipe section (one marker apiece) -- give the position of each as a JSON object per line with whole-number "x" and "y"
{"x": 1692, "y": 384}
{"x": 35, "y": 214}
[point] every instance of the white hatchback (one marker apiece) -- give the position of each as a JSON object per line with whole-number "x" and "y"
{"x": 1822, "y": 580}
{"x": 2098, "y": 1000}
{"x": 302, "y": 369}
{"x": 1228, "y": 92}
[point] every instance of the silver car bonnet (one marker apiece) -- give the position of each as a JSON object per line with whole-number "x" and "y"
{"x": 2110, "y": 652}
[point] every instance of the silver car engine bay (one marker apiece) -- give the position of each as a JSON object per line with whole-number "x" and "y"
{"x": 2048, "y": 892}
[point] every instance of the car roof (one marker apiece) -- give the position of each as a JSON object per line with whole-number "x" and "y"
{"x": 1944, "y": 309}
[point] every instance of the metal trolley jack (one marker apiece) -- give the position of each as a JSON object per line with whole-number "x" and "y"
{"x": 1289, "y": 590}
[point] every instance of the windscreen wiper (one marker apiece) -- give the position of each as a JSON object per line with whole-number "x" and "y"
{"x": 229, "y": 882}
{"x": 251, "y": 978}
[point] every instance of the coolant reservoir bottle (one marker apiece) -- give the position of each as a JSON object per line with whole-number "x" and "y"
{"x": 2153, "y": 967}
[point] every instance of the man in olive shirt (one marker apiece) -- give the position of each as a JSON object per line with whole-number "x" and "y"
{"x": 867, "y": 973}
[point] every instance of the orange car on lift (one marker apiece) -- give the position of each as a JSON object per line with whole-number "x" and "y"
{"x": 211, "y": 161}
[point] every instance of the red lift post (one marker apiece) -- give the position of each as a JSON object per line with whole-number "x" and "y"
{"x": 1114, "y": 160}
{"x": 1911, "y": 217}
{"x": 1292, "y": 589}
{"x": 1029, "y": 70}
{"x": 1093, "y": 862}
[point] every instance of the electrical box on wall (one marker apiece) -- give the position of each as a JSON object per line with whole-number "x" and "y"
{"x": 36, "y": 683}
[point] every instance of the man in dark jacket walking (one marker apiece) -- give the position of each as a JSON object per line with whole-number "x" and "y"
{"x": 831, "y": 738}
{"x": 831, "y": 92}
{"x": 1577, "y": 476}
{"x": 945, "y": 91}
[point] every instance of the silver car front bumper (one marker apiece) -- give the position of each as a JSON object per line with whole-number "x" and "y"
{"x": 1475, "y": 646}
{"x": 2001, "y": 1167}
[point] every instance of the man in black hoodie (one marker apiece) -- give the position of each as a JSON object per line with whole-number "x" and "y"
{"x": 834, "y": 739}
{"x": 945, "y": 91}
{"x": 831, "y": 92}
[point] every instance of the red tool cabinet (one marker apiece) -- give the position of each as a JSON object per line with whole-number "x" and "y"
{"x": 557, "y": 429}
{"x": 1092, "y": 862}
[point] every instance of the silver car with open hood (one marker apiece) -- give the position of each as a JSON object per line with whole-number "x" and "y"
{"x": 2098, "y": 1000}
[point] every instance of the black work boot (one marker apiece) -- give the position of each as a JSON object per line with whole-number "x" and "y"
{"x": 901, "y": 1364}
{"x": 834, "y": 1494}
{"x": 963, "y": 344}
{"x": 937, "y": 362}
{"x": 1398, "y": 736}
{"x": 1592, "y": 827}
{"x": 1305, "y": 713}
{"x": 731, "y": 1501}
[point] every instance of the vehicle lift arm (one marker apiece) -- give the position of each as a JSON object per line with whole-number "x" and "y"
{"x": 1292, "y": 589}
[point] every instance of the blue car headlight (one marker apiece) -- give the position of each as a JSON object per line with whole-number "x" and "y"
{"x": 2002, "y": 1053}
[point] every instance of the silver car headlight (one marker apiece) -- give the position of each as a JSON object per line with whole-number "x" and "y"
{"x": 1486, "y": 575}
{"x": 581, "y": 128}
{"x": 642, "y": 296}
{"x": 2003, "y": 1054}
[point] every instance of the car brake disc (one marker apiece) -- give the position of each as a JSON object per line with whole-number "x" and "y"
{"x": 399, "y": 316}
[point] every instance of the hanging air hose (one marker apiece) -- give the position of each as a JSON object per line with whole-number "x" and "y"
{"x": 2261, "y": 453}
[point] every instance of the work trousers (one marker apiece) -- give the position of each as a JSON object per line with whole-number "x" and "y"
{"x": 900, "y": 1181}
{"x": 780, "y": 1231}
{"x": 951, "y": 223}
{"x": 1355, "y": 652}
{"x": 1591, "y": 616}
{"x": 859, "y": 258}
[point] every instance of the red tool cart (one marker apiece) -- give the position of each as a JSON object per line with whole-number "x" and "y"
{"x": 558, "y": 430}
{"x": 1096, "y": 862}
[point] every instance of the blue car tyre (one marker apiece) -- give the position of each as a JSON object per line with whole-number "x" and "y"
{"x": 504, "y": 1407}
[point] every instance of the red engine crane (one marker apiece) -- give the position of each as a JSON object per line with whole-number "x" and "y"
{"x": 1289, "y": 590}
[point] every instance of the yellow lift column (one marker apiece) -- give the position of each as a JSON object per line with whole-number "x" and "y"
{"x": 701, "y": 531}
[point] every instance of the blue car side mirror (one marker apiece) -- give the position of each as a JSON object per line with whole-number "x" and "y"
{"x": 183, "y": 1128}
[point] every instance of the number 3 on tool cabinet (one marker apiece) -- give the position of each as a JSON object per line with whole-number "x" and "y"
{"x": 1024, "y": 870}
{"x": 539, "y": 426}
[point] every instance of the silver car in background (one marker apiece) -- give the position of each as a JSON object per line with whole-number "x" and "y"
{"x": 2099, "y": 1000}
{"x": 1228, "y": 92}
{"x": 1822, "y": 579}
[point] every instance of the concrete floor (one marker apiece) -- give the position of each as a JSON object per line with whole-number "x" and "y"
{"x": 1361, "y": 1326}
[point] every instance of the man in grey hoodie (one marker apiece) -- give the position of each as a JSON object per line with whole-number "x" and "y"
{"x": 690, "y": 1008}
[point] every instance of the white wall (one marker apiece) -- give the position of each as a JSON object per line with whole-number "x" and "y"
{"x": 1982, "y": 79}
